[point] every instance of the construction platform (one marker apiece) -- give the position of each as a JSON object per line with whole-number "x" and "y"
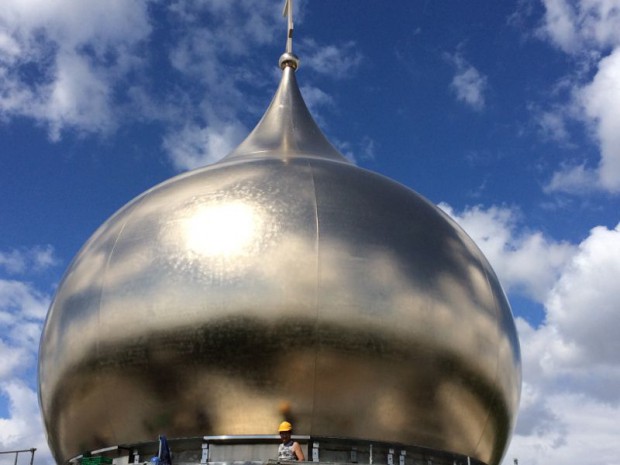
{"x": 263, "y": 450}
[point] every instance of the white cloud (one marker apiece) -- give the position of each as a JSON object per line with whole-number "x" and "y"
{"x": 584, "y": 303}
{"x": 597, "y": 103}
{"x": 589, "y": 31}
{"x": 192, "y": 146}
{"x": 316, "y": 99}
{"x": 362, "y": 150}
{"x": 79, "y": 96}
{"x": 79, "y": 55}
{"x": 536, "y": 417}
{"x": 345, "y": 148}
{"x": 601, "y": 101}
{"x": 573, "y": 179}
{"x": 577, "y": 25}
{"x": 23, "y": 428}
{"x": 13, "y": 261}
{"x": 210, "y": 56}
{"x": 367, "y": 148}
{"x": 571, "y": 370}
{"x": 9, "y": 48}
{"x": 468, "y": 83}
{"x": 215, "y": 35}
{"x": 559, "y": 24}
{"x": 581, "y": 431}
{"x": 239, "y": 23}
{"x": 337, "y": 61}
{"x": 36, "y": 258}
{"x": 73, "y": 65}
{"x": 553, "y": 125}
{"x": 22, "y": 310}
{"x": 61, "y": 60}
{"x": 526, "y": 262}
{"x": 43, "y": 257}
{"x": 11, "y": 358}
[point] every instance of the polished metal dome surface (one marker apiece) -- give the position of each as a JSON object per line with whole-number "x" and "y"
{"x": 281, "y": 279}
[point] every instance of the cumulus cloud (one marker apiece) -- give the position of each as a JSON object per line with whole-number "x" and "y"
{"x": 571, "y": 370}
{"x": 316, "y": 100}
{"x": 249, "y": 22}
{"x": 61, "y": 61}
{"x": 575, "y": 26}
{"x": 589, "y": 31}
{"x": 346, "y": 149}
{"x": 22, "y": 310}
{"x": 367, "y": 148}
{"x": 72, "y": 66}
{"x": 336, "y": 61}
{"x": 11, "y": 358}
{"x": 601, "y": 101}
{"x": 205, "y": 53}
{"x": 559, "y": 24}
{"x": 573, "y": 179}
{"x": 363, "y": 150}
{"x": 210, "y": 56}
{"x": 38, "y": 258}
{"x": 583, "y": 305}
{"x": 552, "y": 125}
{"x": 525, "y": 261}
{"x": 581, "y": 431}
{"x": 193, "y": 146}
{"x": 468, "y": 83}
{"x": 23, "y": 428}
{"x": 21, "y": 300}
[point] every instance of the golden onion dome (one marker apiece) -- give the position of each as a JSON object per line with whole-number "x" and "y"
{"x": 281, "y": 275}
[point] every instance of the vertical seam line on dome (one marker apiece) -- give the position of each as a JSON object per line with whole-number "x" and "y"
{"x": 316, "y": 293}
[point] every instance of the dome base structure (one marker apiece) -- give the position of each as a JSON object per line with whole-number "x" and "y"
{"x": 263, "y": 450}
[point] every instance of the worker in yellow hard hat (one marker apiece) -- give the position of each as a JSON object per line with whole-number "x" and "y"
{"x": 289, "y": 450}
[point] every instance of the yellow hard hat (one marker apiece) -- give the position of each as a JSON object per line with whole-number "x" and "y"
{"x": 285, "y": 426}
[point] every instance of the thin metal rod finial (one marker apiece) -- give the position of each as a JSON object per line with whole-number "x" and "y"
{"x": 288, "y": 59}
{"x": 288, "y": 11}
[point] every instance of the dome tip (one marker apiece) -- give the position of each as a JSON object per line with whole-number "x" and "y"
{"x": 289, "y": 60}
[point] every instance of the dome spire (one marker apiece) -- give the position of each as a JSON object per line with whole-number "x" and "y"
{"x": 287, "y": 129}
{"x": 288, "y": 58}
{"x": 288, "y": 13}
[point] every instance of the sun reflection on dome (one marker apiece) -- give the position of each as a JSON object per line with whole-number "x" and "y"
{"x": 223, "y": 230}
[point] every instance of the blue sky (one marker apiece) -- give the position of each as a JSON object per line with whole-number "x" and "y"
{"x": 506, "y": 114}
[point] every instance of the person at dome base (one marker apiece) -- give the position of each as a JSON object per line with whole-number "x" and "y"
{"x": 289, "y": 450}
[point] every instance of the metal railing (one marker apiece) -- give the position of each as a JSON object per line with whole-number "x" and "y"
{"x": 17, "y": 452}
